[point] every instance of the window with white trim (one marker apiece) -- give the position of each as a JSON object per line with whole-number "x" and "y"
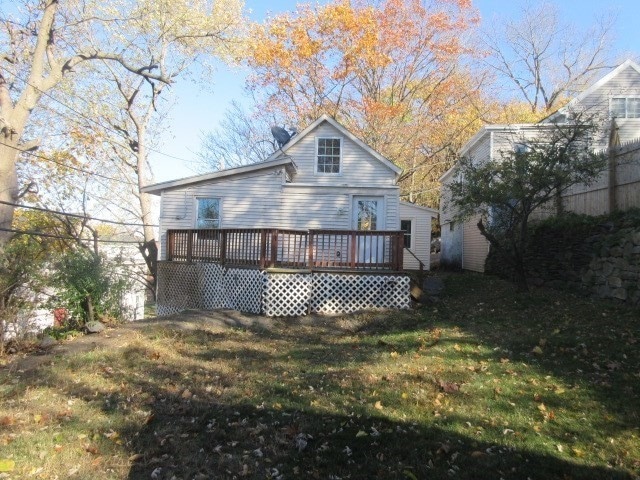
{"x": 208, "y": 213}
{"x": 625, "y": 107}
{"x": 329, "y": 152}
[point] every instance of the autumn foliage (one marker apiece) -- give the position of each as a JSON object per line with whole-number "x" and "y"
{"x": 393, "y": 73}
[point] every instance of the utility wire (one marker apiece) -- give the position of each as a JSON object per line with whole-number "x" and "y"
{"x": 69, "y": 166}
{"x": 76, "y": 215}
{"x": 50, "y": 235}
{"x": 89, "y": 119}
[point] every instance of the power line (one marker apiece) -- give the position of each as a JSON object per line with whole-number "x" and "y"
{"x": 89, "y": 119}
{"x": 69, "y": 166}
{"x": 76, "y": 215}
{"x": 50, "y": 235}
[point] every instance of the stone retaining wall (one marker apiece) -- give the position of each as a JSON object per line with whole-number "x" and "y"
{"x": 598, "y": 256}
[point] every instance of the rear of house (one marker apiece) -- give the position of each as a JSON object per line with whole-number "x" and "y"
{"x": 325, "y": 200}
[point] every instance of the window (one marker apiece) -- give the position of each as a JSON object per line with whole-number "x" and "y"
{"x": 405, "y": 226}
{"x": 622, "y": 107}
{"x": 329, "y": 153}
{"x": 521, "y": 148}
{"x": 208, "y": 213}
{"x": 367, "y": 215}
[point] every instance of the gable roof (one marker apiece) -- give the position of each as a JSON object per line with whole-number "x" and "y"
{"x": 277, "y": 158}
{"x": 420, "y": 208}
{"x": 488, "y": 129}
{"x": 326, "y": 118}
{"x": 156, "y": 188}
{"x": 600, "y": 83}
{"x": 613, "y": 73}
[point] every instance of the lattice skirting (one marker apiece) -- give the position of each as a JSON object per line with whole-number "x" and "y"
{"x": 346, "y": 293}
{"x": 286, "y": 294}
{"x": 209, "y": 286}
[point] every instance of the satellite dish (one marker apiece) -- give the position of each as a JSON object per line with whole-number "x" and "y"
{"x": 281, "y": 135}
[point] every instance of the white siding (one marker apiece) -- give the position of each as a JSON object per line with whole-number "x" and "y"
{"x": 625, "y": 84}
{"x": 358, "y": 166}
{"x": 420, "y": 235}
{"x": 250, "y": 200}
{"x": 475, "y": 247}
{"x": 451, "y": 244}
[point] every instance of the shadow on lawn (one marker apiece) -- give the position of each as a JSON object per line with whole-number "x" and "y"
{"x": 200, "y": 424}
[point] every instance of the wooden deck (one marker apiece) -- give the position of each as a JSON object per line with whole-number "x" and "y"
{"x": 348, "y": 250}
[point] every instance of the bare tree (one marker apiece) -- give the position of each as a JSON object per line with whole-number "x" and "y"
{"x": 544, "y": 59}
{"x": 242, "y": 138}
{"x": 44, "y": 42}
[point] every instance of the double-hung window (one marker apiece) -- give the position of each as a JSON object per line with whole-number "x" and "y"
{"x": 208, "y": 213}
{"x": 329, "y": 155}
{"x": 625, "y": 107}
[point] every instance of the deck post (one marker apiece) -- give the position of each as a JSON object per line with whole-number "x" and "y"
{"x": 399, "y": 250}
{"x": 353, "y": 248}
{"x": 190, "y": 234}
{"x": 170, "y": 244}
{"x": 223, "y": 247}
{"x": 263, "y": 247}
{"x": 310, "y": 253}
{"x": 274, "y": 247}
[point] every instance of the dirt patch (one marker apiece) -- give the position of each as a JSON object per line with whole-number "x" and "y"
{"x": 115, "y": 338}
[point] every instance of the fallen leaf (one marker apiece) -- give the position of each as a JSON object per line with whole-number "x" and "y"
{"x": 91, "y": 449}
{"x": 477, "y": 454}
{"x": 7, "y": 421}
{"x": 577, "y": 452}
{"x": 378, "y": 405}
{"x": 409, "y": 475}
{"x": 537, "y": 350}
{"x": 7, "y": 465}
{"x": 361, "y": 433}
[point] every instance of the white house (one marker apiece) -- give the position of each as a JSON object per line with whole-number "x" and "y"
{"x": 614, "y": 102}
{"x": 325, "y": 200}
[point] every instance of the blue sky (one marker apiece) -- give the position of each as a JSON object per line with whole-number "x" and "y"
{"x": 198, "y": 110}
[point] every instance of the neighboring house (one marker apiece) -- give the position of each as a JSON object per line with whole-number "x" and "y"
{"x": 614, "y": 103}
{"x": 325, "y": 200}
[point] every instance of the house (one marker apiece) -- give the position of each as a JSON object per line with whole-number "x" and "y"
{"x": 614, "y": 103}
{"x": 324, "y": 201}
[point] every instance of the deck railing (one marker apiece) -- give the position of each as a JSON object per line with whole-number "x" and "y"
{"x": 270, "y": 247}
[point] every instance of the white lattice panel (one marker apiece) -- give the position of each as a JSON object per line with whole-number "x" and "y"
{"x": 211, "y": 277}
{"x": 243, "y": 289}
{"x": 286, "y": 294}
{"x": 178, "y": 288}
{"x": 336, "y": 293}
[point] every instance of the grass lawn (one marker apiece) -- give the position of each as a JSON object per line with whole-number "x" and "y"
{"x": 485, "y": 384}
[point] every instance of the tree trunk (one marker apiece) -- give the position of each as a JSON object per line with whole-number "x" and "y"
{"x": 88, "y": 308}
{"x": 8, "y": 185}
{"x": 148, "y": 249}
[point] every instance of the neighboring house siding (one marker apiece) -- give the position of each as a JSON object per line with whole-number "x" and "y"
{"x": 625, "y": 84}
{"x": 475, "y": 247}
{"x": 451, "y": 244}
{"x": 358, "y": 167}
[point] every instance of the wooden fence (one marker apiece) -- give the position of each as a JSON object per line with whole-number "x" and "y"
{"x": 268, "y": 248}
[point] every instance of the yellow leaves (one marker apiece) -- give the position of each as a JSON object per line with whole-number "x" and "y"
{"x": 7, "y": 465}
{"x": 378, "y": 405}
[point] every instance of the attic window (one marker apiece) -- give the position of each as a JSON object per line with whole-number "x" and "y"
{"x": 329, "y": 154}
{"x": 622, "y": 107}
